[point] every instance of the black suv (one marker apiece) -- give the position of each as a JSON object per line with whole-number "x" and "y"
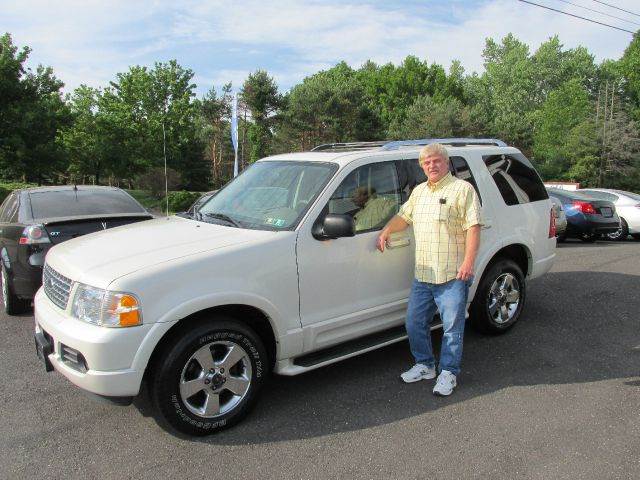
{"x": 32, "y": 220}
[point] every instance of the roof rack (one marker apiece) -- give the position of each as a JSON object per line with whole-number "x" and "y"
{"x": 455, "y": 142}
{"x": 349, "y": 146}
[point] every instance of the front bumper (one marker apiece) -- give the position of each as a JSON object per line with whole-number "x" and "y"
{"x": 109, "y": 353}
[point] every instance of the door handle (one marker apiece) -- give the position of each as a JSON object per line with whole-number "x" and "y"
{"x": 398, "y": 243}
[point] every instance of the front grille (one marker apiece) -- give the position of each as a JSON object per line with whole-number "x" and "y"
{"x": 56, "y": 286}
{"x": 73, "y": 358}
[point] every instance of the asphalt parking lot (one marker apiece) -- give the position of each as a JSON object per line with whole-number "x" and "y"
{"x": 556, "y": 397}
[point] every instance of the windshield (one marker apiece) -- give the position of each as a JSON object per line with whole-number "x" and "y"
{"x": 268, "y": 195}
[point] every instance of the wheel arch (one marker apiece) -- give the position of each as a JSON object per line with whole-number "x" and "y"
{"x": 517, "y": 252}
{"x": 252, "y": 316}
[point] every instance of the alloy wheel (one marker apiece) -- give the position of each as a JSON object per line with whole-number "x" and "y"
{"x": 215, "y": 379}
{"x": 504, "y": 298}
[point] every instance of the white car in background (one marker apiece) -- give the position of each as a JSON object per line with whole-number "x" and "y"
{"x": 627, "y": 206}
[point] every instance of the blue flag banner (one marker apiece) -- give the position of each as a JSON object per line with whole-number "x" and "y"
{"x": 234, "y": 131}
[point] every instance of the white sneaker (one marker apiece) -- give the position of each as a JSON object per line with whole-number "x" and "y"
{"x": 445, "y": 384}
{"x": 418, "y": 372}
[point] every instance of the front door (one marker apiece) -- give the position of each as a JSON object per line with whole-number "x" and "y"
{"x": 347, "y": 287}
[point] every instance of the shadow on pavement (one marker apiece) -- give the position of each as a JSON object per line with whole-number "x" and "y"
{"x": 578, "y": 327}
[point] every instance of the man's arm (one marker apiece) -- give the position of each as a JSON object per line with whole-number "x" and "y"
{"x": 396, "y": 224}
{"x": 471, "y": 245}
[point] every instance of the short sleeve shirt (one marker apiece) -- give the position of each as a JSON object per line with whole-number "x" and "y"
{"x": 441, "y": 213}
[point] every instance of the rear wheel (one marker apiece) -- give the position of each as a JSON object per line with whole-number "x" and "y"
{"x": 11, "y": 303}
{"x": 500, "y": 298}
{"x": 209, "y": 378}
{"x": 621, "y": 233}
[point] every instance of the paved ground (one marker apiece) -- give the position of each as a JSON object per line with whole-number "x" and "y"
{"x": 557, "y": 397}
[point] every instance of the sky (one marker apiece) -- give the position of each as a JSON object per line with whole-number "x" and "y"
{"x": 89, "y": 41}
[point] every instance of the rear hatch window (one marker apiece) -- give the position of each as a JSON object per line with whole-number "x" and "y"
{"x": 70, "y": 203}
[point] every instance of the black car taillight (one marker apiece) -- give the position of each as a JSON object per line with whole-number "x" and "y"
{"x": 34, "y": 234}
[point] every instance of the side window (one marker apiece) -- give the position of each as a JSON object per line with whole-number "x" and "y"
{"x": 9, "y": 209}
{"x": 516, "y": 178}
{"x": 370, "y": 194}
{"x": 460, "y": 168}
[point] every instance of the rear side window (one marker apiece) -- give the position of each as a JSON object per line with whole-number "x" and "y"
{"x": 9, "y": 211}
{"x": 411, "y": 174}
{"x": 516, "y": 178}
{"x": 66, "y": 203}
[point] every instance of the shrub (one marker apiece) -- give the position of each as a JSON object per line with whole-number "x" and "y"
{"x": 7, "y": 188}
{"x": 181, "y": 200}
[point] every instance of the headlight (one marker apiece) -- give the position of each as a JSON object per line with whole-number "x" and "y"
{"x": 109, "y": 309}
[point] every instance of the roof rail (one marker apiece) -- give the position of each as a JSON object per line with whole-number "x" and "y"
{"x": 349, "y": 146}
{"x": 455, "y": 142}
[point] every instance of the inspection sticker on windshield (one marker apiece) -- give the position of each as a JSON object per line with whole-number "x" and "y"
{"x": 276, "y": 222}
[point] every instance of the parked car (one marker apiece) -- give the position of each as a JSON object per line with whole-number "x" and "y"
{"x": 587, "y": 218}
{"x": 561, "y": 218}
{"x": 628, "y": 208}
{"x": 35, "y": 219}
{"x": 276, "y": 276}
{"x": 200, "y": 202}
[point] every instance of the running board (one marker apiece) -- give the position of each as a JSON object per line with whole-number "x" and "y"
{"x": 349, "y": 349}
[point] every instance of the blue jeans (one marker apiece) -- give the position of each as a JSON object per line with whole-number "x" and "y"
{"x": 450, "y": 299}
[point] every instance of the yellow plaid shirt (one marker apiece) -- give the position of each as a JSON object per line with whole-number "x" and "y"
{"x": 441, "y": 213}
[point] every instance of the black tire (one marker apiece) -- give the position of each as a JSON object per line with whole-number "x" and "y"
{"x": 620, "y": 234}
{"x": 562, "y": 237}
{"x": 636, "y": 236}
{"x": 588, "y": 237}
{"x": 483, "y": 308}
{"x": 176, "y": 362}
{"x": 11, "y": 303}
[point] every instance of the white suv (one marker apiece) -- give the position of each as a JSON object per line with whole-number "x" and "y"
{"x": 277, "y": 272}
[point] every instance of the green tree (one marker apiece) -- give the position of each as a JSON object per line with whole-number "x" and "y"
{"x": 630, "y": 69}
{"x": 260, "y": 94}
{"x": 565, "y": 108}
{"x": 31, "y": 113}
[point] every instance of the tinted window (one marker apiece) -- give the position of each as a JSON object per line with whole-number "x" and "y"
{"x": 568, "y": 195}
{"x": 600, "y": 195}
{"x": 65, "y": 203}
{"x": 9, "y": 212}
{"x": 370, "y": 194}
{"x": 516, "y": 178}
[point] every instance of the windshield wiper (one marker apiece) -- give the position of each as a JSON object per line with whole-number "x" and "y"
{"x": 221, "y": 216}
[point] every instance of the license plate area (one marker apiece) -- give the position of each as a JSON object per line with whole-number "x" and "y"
{"x": 44, "y": 348}
{"x": 606, "y": 212}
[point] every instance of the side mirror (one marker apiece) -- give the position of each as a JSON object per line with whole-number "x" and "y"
{"x": 334, "y": 225}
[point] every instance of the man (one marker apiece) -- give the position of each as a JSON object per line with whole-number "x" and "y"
{"x": 445, "y": 213}
{"x": 373, "y": 211}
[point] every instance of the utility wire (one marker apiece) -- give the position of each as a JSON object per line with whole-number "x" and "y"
{"x": 598, "y": 11}
{"x": 577, "y": 16}
{"x": 617, "y": 8}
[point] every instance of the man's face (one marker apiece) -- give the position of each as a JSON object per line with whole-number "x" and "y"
{"x": 435, "y": 167}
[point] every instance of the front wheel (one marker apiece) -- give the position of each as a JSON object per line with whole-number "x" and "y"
{"x": 499, "y": 299}
{"x": 209, "y": 378}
